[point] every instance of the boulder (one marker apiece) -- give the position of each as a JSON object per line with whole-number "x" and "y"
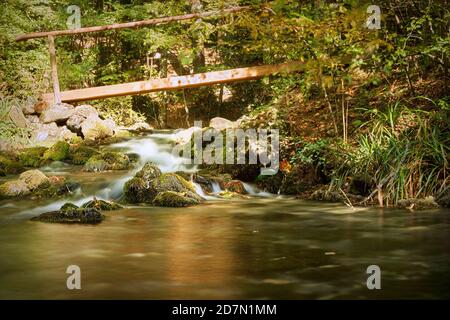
{"x": 94, "y": 128}
{"x": 221, "y": 123}
{"x": 58, "y": 112}
{"x": 15, "y": 188}
{"x": 34, "y": 179}
{"x": 107, "y": 161}
{"x": 72, "y": 215}
{"x": 235, "y": 186}
{"x": 68, "y": 206}
{"x": 27, "y": 108}
{"x": 174, "y": 199}
{"x": 17, "y": 117}
{"x": 80, "y": 114}
{"x": 184, "y": 136}
{"x": 148, "y": 172}
{"x": 172, "y": 182}
{"x": 58, "y": 186}
{"x": 32, "y": 157}
{"x": 32, "y": 119}
{"x": 138, "y": 127}
{"x": 102, "y": 205}
{"x": 58, "y": 152}
{"x": 40, "y": 106}
{"x": 137, "y": 190}
{"x": 45, "y": 134}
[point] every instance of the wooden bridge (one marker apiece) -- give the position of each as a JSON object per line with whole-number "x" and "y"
{"x": 139, "y": 87}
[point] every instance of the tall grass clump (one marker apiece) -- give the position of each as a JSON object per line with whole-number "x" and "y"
{"x": 402, "y": 154}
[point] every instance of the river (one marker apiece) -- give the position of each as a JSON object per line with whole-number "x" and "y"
{"x": 265, "y": 247}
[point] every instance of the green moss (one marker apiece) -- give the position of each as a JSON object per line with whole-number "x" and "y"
{"x": 137, "y": 190}
{"x": 172, "y": 182}
{"x": 73, "y": 215}
{"x": 81, "y": 154}
{"x": 58, "y": 152}
{"x": 107, "y": 161}
{"x": 102, "y": 205}
{"x": 149, "y": 172}
{"x": 68, "y": 206}
{"x": 9, "y": 164}
{"x": 174, "y": 199}
{"x": 33, "y": 157}
{"x": 56, "y": 189}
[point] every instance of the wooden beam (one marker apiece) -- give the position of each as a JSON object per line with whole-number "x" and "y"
{"x": 134, "y": 24}
{"x": 174, "y": 83}
{"x": 53, "y": 64}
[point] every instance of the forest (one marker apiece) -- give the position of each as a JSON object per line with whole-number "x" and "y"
{"x": 357, "y": 93}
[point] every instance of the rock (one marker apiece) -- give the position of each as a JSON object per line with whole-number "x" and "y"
{"x": 68, "y": 206}
{"x": 102, "y": 205}
{"x": 174, "y": 199}
{"x": 32, "y": 157}
{"x": 28, "y": 108}
{"x": 184, "y": 136}
{"x": 15, "y": 188}
{"x": 235, "y": 186}
{"x": 44, "y": 134}
{"x": 32, "y": 119}
{"x": 172, "y": 182}
{"x": 80, "y": 215}
{"x": 40, "y": 106}
{"x": 58, "y": 152}
{"x": 221, "y": 123}
{"x": 107, "y": 161}
{"x": 9, "y": 164}
{"x": 34, "y": 179}
{"x": 418, "y": 204}
{"x": 138, "y": 127}
{"x": 94, "y": 128}
{"x": 444, "y": 201}
{"x": 66, "y": 135}
{"x": 110, "y": 124}
{"x": 17, "y": 117}
{"x": 148, "y": 172}
{"x": 80, "y": 114}
{"x": 58, "y": 187}
{"x": 137, "y": 190}
{"x": 58, "y": 112}
{"x": 230, "y": 195}
{"x": 324, "y": 194}
{"x": 80, "y": 154}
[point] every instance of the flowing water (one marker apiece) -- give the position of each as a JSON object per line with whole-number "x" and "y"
{"x": 265, "y": 247}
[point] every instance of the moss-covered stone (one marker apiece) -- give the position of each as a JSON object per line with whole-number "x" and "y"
{"x": 107, "y": 161}
{"x": 148, "y": 172}
{"x": 235, "y": 186}
{"x": 33, "y": 157}
{"x": 174, "y": 199}
{"x": 80, "y": 154}
{"x": 73, "y": 215}
{"x": 68, "y": 206}
{"x": 9, "y": 164}
{"x": 137, "y": 190}
{"x": 172, "y": 182}
{"x": 58, "y": 152}
{"x": 58, "y": 187}
{"x": 134, "y": 157}
{"x": 418, "y": 204}
{"x": 102, "y": 205}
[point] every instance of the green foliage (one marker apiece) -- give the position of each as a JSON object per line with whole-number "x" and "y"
{"x": 120, "y": 110}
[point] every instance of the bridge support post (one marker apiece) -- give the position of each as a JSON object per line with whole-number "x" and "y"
{"x": 55, "y": 80}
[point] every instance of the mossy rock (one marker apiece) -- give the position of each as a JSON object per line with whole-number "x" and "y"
{"x": 9, "y": 164}
{"x": 107, "y": 161}
{"x": 174, "y": 199}
{"x": 148, "y": 172}
{"x": 418, "y": 204}
{"x": 73, "y": 215}
{"x": 172, "y": 182}
{"x": 80, "y": 154}
{"x": 102, "y": 205}
{"x": 137, "y": 190}
{"x": 33, "y": 157}
{"x": 58, "y": 152}
{"x": 271, "y": 183}
{"x": 134, "y": 157}
{"x": 68, "y": 206}
{"x": 444, "y": 201}
{"x": 235, "y": 186}
{"x": 56, "y": 189}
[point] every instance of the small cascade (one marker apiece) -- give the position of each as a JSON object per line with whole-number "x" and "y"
{"x": 254, "y": 191}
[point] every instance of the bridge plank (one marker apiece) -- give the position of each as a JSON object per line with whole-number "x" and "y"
{"x": 174, "y": 83}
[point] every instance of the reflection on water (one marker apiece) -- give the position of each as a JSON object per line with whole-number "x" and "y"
{"x": 257, "y": 249}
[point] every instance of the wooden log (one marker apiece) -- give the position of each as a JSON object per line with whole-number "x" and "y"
{"x": 174, "y": 83}
{"x": 134, "y": 24}
{"x": 54, "y": 67}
